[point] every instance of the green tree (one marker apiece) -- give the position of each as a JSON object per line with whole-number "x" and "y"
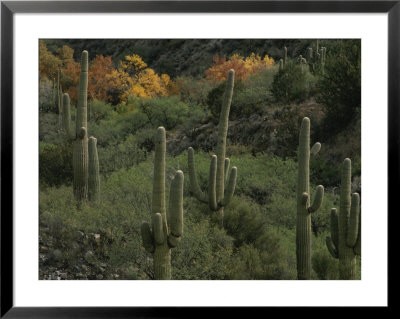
{"x": 340, "y": 86}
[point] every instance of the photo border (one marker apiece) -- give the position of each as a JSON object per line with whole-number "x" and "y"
{"x": 8, "y": 8}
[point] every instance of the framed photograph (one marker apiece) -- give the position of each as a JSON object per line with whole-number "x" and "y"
{"x": 163, "y": 155}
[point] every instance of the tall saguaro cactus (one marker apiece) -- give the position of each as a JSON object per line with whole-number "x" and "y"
{"x": 81, "y": 163}
{"x": 166, "y": 229}
{"x": 345, "y": 240}
{"x": 304, "y": 209}
{"x": 217, "y": 198}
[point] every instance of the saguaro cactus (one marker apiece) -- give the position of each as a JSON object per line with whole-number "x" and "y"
{"x": 79, "y": 136}
{"x": 94, "y": 176}
{"x": 345, "y": 242}
{"x": 284, "y": 56}
{"x": 281, "y": 64}
{"x": 217, "y": 198}
{"x": 304, "y": 210}
{"x": 166, "y": 230}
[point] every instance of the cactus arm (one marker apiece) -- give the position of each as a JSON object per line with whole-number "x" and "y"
{"x": 357, "y": 246}
{"x": 345, "y": 197}
{"x": 304, "y": 198}
{"x": 82, "y": 133}
{"x": 81, "y": 115}
{"x": 94, "y": 175}
{"x": 66, "y": 116}
{"x": 158, "y": 231}
{"x": 212, "y": 195}
{"x": 227, "y": 163}
{"x": 147, "y": 237}
{"x": 194, "y": 185}
{"x": 335, "y": 228}
{"x": 315, "y": 149}
{"x": 175, "y": 211}
{"x": 222, "y": 133}
{"x": 331, "y": 247}
{"x": 230, "y": 188}
{"x": 352, "y": 231}
{"x": 158, "y": 201}
{"x": 319, "y": 196}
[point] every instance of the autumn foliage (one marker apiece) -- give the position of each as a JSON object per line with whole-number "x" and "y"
{"x": 243, "y": 66}
{"x": 112, "y": 84}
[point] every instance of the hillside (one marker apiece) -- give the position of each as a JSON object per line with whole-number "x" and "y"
{"x": 91, "y": 213}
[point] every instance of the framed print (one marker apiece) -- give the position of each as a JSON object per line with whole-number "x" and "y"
{"x": 164, "y": 155}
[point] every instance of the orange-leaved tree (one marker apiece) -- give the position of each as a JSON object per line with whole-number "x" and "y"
{"x": 243, "y": 66}
{"x": 99, "y": 86}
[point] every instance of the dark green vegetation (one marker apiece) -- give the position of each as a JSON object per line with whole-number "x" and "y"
{"x": 102, "y": 239}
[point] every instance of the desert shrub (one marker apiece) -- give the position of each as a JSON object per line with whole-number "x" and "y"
{"x": 292, "y": 84}
{"x": 268, "y": 258}
{"x": 195, "y": 116}
{"x": 50, "y": 129}
{"x": 324, "y": 265}
{"x": 164, "y": 111}
{"x": 340, "y": 87}
{"x": 99, "y": 110}
{"x": 192, "y": 90}
{"x": 243, "y": 220}
{"x": 204, "y": 252}
{"x": 261, "y": 176}
{"x": 115, "y": 129}
{"x": 55, "y": 164}
{"x": 124, "y": 155}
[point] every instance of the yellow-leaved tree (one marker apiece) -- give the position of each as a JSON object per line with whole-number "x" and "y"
{"x": 133, "y": 77}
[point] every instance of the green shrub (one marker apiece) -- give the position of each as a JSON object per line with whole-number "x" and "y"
{"x": 99, "y": 110}
{"x": 292, "y": 84}
{"x": 164, "y": 111}
{"x": 340, "y": 87}
{"x": 55, "y": 165}
{"x": 324, "y": 265}
{"x": 123, "y": 155}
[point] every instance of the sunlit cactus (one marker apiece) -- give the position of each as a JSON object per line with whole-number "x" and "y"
{"x": 217, "y": 197}
{"x": 79, "y": 136}
{"x": 166, "y": 227}
{"x": 304, "y": 209}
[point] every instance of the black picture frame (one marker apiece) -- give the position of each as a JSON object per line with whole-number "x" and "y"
{"x": 9, "y": 8}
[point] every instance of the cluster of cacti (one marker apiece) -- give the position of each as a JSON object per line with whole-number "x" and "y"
{"x": 166, "y": 227}
{"x": 316, "y": 60}
{"x": 304, "y": 209}
{"x": 85, "y": 159}
{"x": 217, "y": 197}
{"x": 345, "y": 240}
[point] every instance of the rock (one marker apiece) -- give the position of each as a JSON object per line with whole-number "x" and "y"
{"x": 89, "y": 257}
{"x": 44, "y": 249}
